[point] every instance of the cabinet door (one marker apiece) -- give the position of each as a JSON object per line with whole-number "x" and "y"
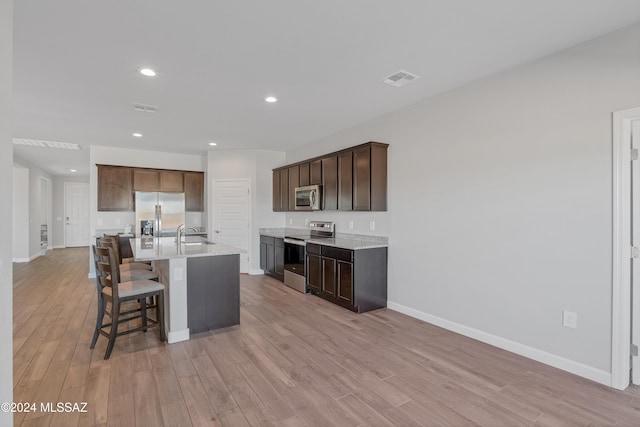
{"x": 304, "y": 174}
{"x": 263, "y": 256}
{"x": 314, "y": 272}
{"x": 330, "y": 183}
{"x": 279, "y": 262}
{"x": 315, "y": 172}
{"x": 276, "y": 191}
{"x": 194, "y": 191}
{"x": 115, "y": 188}
{"x": 172, "y": 181}
{"x": 294, "y": 181}
{"x": 284, "y": 190}
{"x": 345, "y": 181}
{"x": 271, "y": 259}
{"x": 329, "y": 277}
{"x": 146, "y": 180}
{"x": 362, "y": 179}
{"x": 345, "y": 282}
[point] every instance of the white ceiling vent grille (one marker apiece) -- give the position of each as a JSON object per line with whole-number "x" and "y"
{"x": 400, "y": 78}
{"x": 46, "y": 144}
{"x": 145, "y": 108}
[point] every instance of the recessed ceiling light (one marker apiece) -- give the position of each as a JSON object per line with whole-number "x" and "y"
{"x": 147, "y": 72}
{"x": 137, "y": 135}
{"x": 213, "y": 144}
{"x": 73, "y": 170}
{"x": 271, "y": 99}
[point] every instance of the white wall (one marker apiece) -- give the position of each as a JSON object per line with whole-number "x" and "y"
{"x": 56, "y": 235}
{"x": 256, "y": 165}
{"x": 20, "y": 219}
{"x": 37, "y": 208}
{"x": 6, "y": 172}
{"x": 500, "y": 202}
{"x": 133, "y": 158}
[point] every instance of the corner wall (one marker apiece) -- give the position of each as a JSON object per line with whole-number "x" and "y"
{"x": 500, "y": 202}
{"x": 6, "y": 190}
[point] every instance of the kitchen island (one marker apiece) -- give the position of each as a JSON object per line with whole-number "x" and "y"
{"x": 202, "y": 283}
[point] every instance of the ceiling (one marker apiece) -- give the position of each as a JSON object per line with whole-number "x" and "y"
{"x": 76, "y": 65}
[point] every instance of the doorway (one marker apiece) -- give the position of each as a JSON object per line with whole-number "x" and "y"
{"x": 76, "y": 214}
{"x": 231, "y": 215}
{"x": 625, "y": 333}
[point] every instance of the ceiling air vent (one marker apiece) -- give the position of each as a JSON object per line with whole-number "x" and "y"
{"x": 400, "y": 78}
{"x": 46, "y": 144}
{"x": 145, "y": 108}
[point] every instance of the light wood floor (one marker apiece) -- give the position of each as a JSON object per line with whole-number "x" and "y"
{"x": 295, "y": 360}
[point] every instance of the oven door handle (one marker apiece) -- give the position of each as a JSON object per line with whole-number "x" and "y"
{"x": 295, "y": 242}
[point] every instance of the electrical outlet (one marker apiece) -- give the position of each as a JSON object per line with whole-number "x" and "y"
{"x": 306, "y": 221}
{"x": 372, "y": 225}
{"x": 570, "y": 319}
{"x": 117, "y": 221}
{"x": 351, "y": 225}
{"x": 290, "y": 221}
{"x": 100, "y": 222}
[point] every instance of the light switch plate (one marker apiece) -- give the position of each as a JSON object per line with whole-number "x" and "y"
{"x": 570, "y": 319}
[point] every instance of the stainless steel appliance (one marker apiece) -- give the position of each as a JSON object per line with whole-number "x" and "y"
{"x": 159, "y": 214}
{"x": 308, "y": 198}
{"x": 295, "y": 255}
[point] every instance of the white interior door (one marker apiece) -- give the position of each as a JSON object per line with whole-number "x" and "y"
{"x": 76, "y": 212}
{"x": 635, "y": 268}
{"x": 231, "y": 208}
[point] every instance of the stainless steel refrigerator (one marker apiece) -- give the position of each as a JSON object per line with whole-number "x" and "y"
{"x": 159, "y": 214}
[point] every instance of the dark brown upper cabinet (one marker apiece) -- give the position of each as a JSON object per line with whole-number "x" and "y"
{"x": 330, "y": 183}
{"x": 172, "y": 181}
{"x": 276, "y": 192}
{"x": 294, "y": 181}
{"x": 345, "y": 181}
{"x": 304, "y": 174}
{"x": 115, "y": 188}
{"x": 194, "y": 191}
{"x": 284, "y": 191}
{"x": 315, "y": 172}
{"x": 352, "y": 179}
{"x": 146, "y": 180}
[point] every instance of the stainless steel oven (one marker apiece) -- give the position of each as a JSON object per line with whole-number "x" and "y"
{"x": 295, "y": 251}
{"x": 294, "y": 263}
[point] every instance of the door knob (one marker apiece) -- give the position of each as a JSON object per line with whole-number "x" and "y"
{"x": 216, "y": 231}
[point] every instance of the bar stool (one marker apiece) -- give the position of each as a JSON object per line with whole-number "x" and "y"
{"x": 129, "y": 274}
{"x": 116, "y": 293}
{"x": 131, "y": 265}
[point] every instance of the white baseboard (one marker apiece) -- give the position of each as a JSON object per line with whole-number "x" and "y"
{"x": 255, "y": 272}
{"x": 177, "y": 336}
{"x": 59, "y": 247}
{"x": 541, "y": 356}
{"x": 92, "y": 275}
{"x": 31, "y": 258}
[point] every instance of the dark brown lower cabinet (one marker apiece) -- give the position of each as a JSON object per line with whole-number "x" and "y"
{"x": 314, "y": 272}
{"x": 356, "y": 280}
{"x": 328, "y": 288}
{"x": 272, "y": 256}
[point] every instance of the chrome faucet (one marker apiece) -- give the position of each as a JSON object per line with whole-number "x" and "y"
{"x": 181, "y": 230}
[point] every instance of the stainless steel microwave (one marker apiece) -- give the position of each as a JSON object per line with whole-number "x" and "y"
{"x": 308, "y": 198}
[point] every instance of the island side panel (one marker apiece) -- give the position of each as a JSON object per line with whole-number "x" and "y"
{"x": 173, "y": 274}
{"x": 213, "y": 292}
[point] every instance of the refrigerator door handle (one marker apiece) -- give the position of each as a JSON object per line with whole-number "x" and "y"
{"x": 159, "y": 220}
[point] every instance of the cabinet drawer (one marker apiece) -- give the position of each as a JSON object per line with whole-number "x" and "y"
{"x": 312, "y": 248}
{"x": 337, "y": 253}
{"x": 266, "y": 239}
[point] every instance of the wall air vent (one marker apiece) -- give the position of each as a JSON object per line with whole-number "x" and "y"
{"x": 46, "y": 144}
{"x": 145, "y": 108}
{"x": 400, "y": 78}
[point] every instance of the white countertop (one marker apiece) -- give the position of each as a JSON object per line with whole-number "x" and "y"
{"x": 348, "y": 243}
{"x": 156, "y": 248}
